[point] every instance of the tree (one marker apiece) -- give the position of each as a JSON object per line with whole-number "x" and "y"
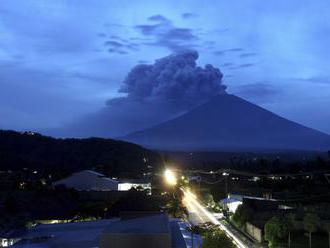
{"x": 289, "y": 222}
{"x": 272, "y": 230}
{"x": 242, "y": 215}
{"x": 277, "y": 228}
{"x": 208, "y": 199}
{"x": 311, "y": 223}
{"x": 175, "y": 208}
{"x": 327, "y": 228}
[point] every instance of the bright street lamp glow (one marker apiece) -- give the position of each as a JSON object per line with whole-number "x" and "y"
{"x": 170, "y": 177}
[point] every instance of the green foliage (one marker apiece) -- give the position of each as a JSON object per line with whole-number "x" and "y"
{"x": 175, "y": 208}
{"x": 311, "y": 222}
{"x": 214, "y": 238}
{"x": 276, "y": 229}
{"x": 242, "y": 215}
{"x": 272, "y": 228}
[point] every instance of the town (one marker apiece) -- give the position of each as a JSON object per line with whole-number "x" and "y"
{"x": 164, "y": 124}
{"x": 265, "y": 205}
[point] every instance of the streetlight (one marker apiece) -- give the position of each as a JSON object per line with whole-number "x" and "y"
{"x": 170, "y": 177}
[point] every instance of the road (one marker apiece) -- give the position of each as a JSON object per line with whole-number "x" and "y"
{"x": 199, "y": 214}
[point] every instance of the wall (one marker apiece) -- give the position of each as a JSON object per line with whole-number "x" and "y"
{"x": 254, "y": 232}
{"x": 128, "y": 240}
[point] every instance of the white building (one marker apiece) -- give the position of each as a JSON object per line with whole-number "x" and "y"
{"x": 88, "y": 180}
{"x": 127, "y": 184}
{"x": 232, "y": 202}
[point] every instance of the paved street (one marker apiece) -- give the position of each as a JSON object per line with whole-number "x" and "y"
{"x": 198, "y": 214}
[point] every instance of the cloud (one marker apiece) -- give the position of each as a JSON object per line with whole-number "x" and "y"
{"x": 189, "y": 15}
{"x": 158, "y": 18}
{"x": 165, "y": 34}
{"x": 245, "y": 65}
{"x": 228, "y": 64}
{"x": 175, "y": 77}
{"x": 153, "y": 93}
{"x": 122, "y": 47}
{"x": 225, "y": 51}
{"x": 315, "y": 79}
{"x": 247, "y": 55}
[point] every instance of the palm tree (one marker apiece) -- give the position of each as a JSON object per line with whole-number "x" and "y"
{"x": 175, "y": 208}
{"x": 327, "y": 228}
{"x": 311, "y": 223}
{"x": 289, "y": 222}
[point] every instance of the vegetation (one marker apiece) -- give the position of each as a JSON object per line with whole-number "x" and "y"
{"x": 311, "y": 224}
{"x": 61, "y": 157}
{"x": 276, "y": 229}
{"x": 213, "y": 238}
{"x": 242, "y": 215}
{"x": 175, "y": 207}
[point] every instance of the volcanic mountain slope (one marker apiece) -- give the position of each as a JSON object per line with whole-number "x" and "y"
{"x": 228, "y": 122}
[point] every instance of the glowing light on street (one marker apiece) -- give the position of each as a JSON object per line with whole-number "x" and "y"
{"x": 193, "y": 203}
{"x": 170, "y": 177}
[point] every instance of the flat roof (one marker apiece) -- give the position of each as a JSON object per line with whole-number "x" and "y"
{"x": 79, "y": 234}
{"x": 150, "y": 224}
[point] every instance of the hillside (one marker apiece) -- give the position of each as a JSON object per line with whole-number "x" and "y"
{"x": 32, "y": 150}
{"x": 228, "y": 122}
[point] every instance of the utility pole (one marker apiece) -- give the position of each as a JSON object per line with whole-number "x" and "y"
{"x": 226, "y": 182}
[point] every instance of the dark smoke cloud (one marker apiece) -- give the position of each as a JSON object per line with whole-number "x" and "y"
{"x": 174, "y": 78}
{"x": 155, "y": 93}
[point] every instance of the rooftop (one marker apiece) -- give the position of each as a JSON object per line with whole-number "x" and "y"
{"x": 151, "y": 224}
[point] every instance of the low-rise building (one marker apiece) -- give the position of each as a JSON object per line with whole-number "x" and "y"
{"x": 127, "y": 184}
{"x": 130, "y": 231}
{"x": 88, "y": 180}
{"x": 143, "y": 232}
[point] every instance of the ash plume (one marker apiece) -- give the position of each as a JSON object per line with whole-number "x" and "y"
{"x": 155, "y": 93}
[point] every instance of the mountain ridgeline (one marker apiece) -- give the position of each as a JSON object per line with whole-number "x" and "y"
{"x": 32, "y": 150}
{"x": 230, "y": 123}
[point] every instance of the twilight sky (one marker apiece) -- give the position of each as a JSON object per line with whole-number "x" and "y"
{"x": 62, "y": 60}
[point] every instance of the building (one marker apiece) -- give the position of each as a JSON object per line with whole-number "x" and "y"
{"x": 232, "y": 202}
{"x": 143, "y": 232}
{"x": 130, "y": 231}
{"x": 69, "y": 235}
{"x": 255, "y": 230}
{"x": 88, "y": 180}
{"x": 9, "y": 238}
{"x": 127, "y": 184}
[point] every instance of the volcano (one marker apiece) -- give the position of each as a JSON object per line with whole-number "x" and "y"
{"x": 228, "y": 122}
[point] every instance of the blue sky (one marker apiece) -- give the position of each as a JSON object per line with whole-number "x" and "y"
{"x": 60, "y": 60}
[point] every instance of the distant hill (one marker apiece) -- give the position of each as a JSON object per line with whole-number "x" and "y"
{"x": 230, "y": 123}
{"x": 32, "y": 150}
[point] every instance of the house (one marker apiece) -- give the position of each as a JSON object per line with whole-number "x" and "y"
{"x": 232, "y": 202}
{"x": 88, "y": 180}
